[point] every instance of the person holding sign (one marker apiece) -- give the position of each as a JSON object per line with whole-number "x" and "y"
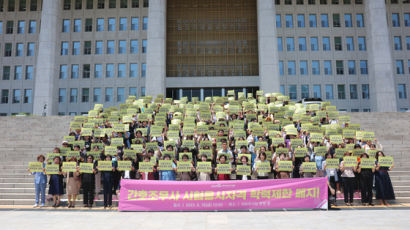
{"x": 145, "y": 174}
{"x": 56, "y": 184}
{"x": 244, "y": 162}
{"x": 108, "y": 180}
{"x": 330, "y": 167}
{"x": 40, "y": 182}
{"x": 384, "y": 187}
{"x": 366, "y": 178}
{"x": 281, "y": 172}
{"x": 73, "y": 184}
{"x": 203, "y": 176}
{"x": 304, "y": 172}
{"x": 262, "y": 167}
{"x": 88, "y": 184}
{"x": 184, "y": 175}
{"x": 167, "y": 174}
{"x": 223, "y": 160}
{"x": 348, "y": 168}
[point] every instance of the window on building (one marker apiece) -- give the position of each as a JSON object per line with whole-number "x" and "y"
{"x": 133, "y": 70}
{"x": 9, "y": 27}
{"x": 112, "y": 4}
{"x": 336, "y": 20}
{"x": 64, "y": 48}
{"x": 365, "y": 91}
{"x": 6, "y": 73}
{"x": 99, "y": 47}
{"x": 290, "y": 44}
{"x": 18, "y": 72}
{"x": 362, "y": 43}
{"x": 145, "y": 3}
{"x": 324, "y": 20}
{"x": 121, "y": 70}
{"x": 303, "y": 68}
{"x": 144, "y": 23}
{"x": 86, "y": 70}
{"x": 353, "y": 92}
{"x": 78, "y": 4}
{"x": 109, "y": 70}
{"x": 66, "y": 26}
{"x": 108, "y": 94}
{"x": 16, "y": 96}
{"x": 75, "y": 71}
{"x": 312, "y": 21}
{"x": 63, "y": 71}
{"x": 317, "y": 91}
{"x": 98, "y": 71}
{"x": 100, "y": 24}
{"x": 280, "y": 44}
{"x": 292, "y": 92}
{"x": 134, "y": 46}
{"x": 62, "y": 92}
{"x": 335, "y": 2}
{"x": 132, "y": 91}
{"x": 397, "y": 43}
{"x": 97, "y": 95}
{"x": 289, "y": 20}
{"x": 32, "y": 27}
{"x": 87, "y": 47}
{"x": 77, "y": 25}
{"x": 282, "y": 89}
{"x": 29, "y": 72}
{"x": 407, "y": 19}
{"x": 76, "y": 48}
{"x": 399, "y": 67}
{"x": 89, "y": 4}
{"x": 314, "y": 44}
{"x": 111, "y": 24}
{"x": 110, "y": 47}
{"x": 73, "y": 95}
{"x": 349, "y": 44}
{"x": 329, "y": 92}
{"x": 8, "y": 49}
{"x": 281, "y": 72}
{"x": 123, "y": 3}
{"x": 4, "y": 96}
{"x": 33, "y": 5}
{"x": 315, "y": 67}
{"x": 101, "y": 4}
{"x": 311, "y": 2}
{"x": 352, "y": 67}
{"x": 11, "y": 5}
{"x": 326, "y": 43}
{"x": 123, "y": 24}
{"x": 67, "y": 4}
{"x": 348, "y": 20}
{"x": 408, "y": 64}
{"x": 27, "y": 96}
{"x": 291, "y": 68}
{"x": 401, "y": 89}
{"x": 288, "y": 2}
{"x": 395, "y": 20}
{"x": 134, "y": 23}
{"x": 341, "y": 92}
{"x": 19, "y": 49}
{"x": 408, "y": 42}
{"x": 143, "y": 91}
{"x": 339, "y": 67}
{"x": 88, "y": 25}
{"x": 328, "y": 67}
{"x": 135, "y": 3}
{"x": 304, "y": 91}
{"x": 30, "y": 48}
{"x": 302, "y": 43}
{"x": 120, "y": 94}
{"x": 122, "y": 46}
{"x": 1, "y": 26}
{"x": 338, "y": 43}
{"x": 85, "y": 95}
{"x": 278, "y": 21}
{"x": 363, "y": 67}
{"x": 301, "y": 20}
{"x": 359, "y": 20}
{"x": 20, "y": 27}
{"x": 143, "y": 69}
{"x": 144, "y": 46}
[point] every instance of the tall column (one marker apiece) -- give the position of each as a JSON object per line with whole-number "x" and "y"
{"x": 156, "y": 55}
{"x": 44, "y": 90}
{"x": 381, "y": 75}
{"x": 267, "y": 42}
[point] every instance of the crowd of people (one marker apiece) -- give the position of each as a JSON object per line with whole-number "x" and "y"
{"x": 266, "y": 137}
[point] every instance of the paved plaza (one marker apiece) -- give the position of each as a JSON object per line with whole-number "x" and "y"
{"x": 384, "y": 218}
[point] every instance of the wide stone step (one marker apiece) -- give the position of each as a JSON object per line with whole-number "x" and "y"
{"x": 16, "y": 180}
{"x": 17, "y": 185}
{"x": 63, "y": 203}
{"x": 12, "y": 167}
{"x": 401, "y": 187}
{"x": 400, "y": 178}
{"x": 19, "y": 190}
{"x": 2, "y": 175}
{"x": 399, "y": 173}
{"x": 400, "y": 183}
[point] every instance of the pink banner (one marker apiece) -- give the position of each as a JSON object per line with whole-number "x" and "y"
{"x": 141, "y": 195}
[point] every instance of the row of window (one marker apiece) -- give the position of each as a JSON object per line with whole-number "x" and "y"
{"x": 18, "y": 72}
{"x": 112, "y": 4}
{"x": 327, "y": 67}
{"x": 400, "y": 66}
{"x": 31, "y": 27}
{"x": 16, "y": 96}
{"x": 314, "y": 43}
{"x": 397, "y": 43}
{"x": 121, "y": 70}
{"x": 396, "y": 21}
{"x": 100, "y": 24}
{"x": 99, "y": 47}
{"x": 292, "y": 91}
{"x": 322, "y": 2}
{"x": 19, "y": 50}
{"x": 22, "y": 5}
{"x": 324, "y": 20}
{"x": 97, "y": 94}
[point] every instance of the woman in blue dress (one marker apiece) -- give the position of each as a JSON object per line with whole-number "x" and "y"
{"x": 56, "y": 184}
{"x": 384, "y": 187}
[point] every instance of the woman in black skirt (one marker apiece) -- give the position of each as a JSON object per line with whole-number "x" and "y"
{"x": 366, "y": 181}
{"x": 56, "y": 187}
{"x": 88, "y": 184}
{"x": 384, "y": 188}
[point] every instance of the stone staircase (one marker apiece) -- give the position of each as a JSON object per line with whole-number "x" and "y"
{"x": 23, "y": 138}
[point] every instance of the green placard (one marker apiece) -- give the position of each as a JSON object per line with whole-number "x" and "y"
{"x": 151, "y": 145}
{"x": 105, "y": 165}
{"x": 188, "y": 143}
{"x": 184, "y": 166}
{"x": 285, "y": 166}
{"x": 35, "y": 166}
{"x": 165, "y": 165}
{"x": 131, "y": 153}
{"x": 296, "y": 142}
{"x": 339, "y": 152}
{"x": 277, "y": 140}
{"x": 145, "y": 166}
{"x": 316, "y": 137}
{"x": 95, "y": 154}
{"x": 349, "y": 161}
{"x": 70, "y": 139}
{"x": 282, "y": 150}
{"x": 124, "y": 165}
{"x": 110, "y": 150}
{"x": 309, "y": 167}
{"x": 207, "y": 152}
{"x": 336, "y": 139}
{"x": 263, "y": 167}
{"x": 357, "y": 152}
{"x": 204, "y": 167}
{"x": 86, "y": 167}
{"x": 349, "y": 133}
{"x": 223, "y": 168}
{"x": 386, "y": 161}
{"x": 52, "y": 169}
{"x": 367, "y": 163}
{"x": 320, "y": 150}
{"x": 71, "y": 154}
{"x": 69, "y": 166}
{"x": 139, "y": 148}
{"x": 332, "y": 163}
{"x": 300, "y": 152}
{"x": 243, "y": 170}
{"x": 117, "y": 141}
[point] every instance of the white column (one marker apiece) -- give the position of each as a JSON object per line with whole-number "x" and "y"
{"x": 44, "y": 91}
{"x": 267, "y": 42}
{"x": 381, "y": 75}
{"x": 223, "y": 91}
{"x": 202, "y": 95}
{"x": 180, "y": 94}
{"x": 156, "y": 53}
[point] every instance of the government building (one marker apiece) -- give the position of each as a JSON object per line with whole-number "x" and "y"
{"x": 60, "y": 57}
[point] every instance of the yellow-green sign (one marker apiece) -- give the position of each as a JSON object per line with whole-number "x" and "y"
{"x": 285, "y": 166}
{"x": 35, "y": 166}
{"x": 204, "y": 167}
{"x": 105, "y": 165}
{"x": 69, "y": 166}
{"x": 223, "y": 168}
{"x": 332, "y": 163}
{"x": 165, "y": 165}
{"x": 263, "y": 167}
{"x": 184, "y": 166}
{"x": 52, "y": 169}
{"x": 386, "y": 161}
{"x": 309, "y": 167}
{"x": 86, "y": 167}
{"x": 124, "y": 166}
{"x": 367, "y": 163}
{"x": 349, "y": 161}
{"x": 243, "y": 170}
{"x": 145, "y": 166}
